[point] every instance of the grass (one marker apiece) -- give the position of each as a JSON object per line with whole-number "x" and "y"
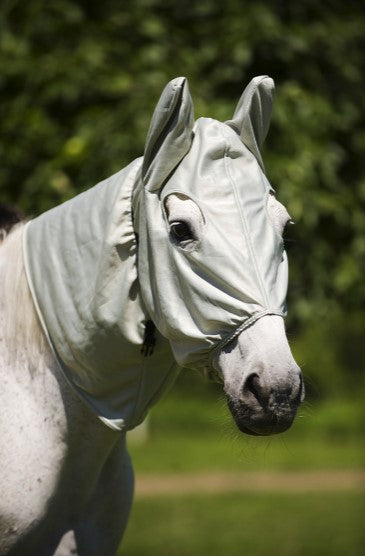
{"x": 250, "y": 524}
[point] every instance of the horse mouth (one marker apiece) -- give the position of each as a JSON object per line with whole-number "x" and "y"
{"x": 261, "y": 423}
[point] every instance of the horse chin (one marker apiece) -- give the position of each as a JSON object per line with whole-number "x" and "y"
{"x": 260, "y": 423}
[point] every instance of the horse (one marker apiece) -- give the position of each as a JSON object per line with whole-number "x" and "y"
{"x": 175, "y": 261}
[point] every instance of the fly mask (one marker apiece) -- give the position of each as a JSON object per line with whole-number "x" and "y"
{"x": 203, "y": 293}
{"x": 95, "y": 287}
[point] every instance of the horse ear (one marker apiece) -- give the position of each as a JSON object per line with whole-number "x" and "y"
{"x": 252, "y": 116}
{"x": 170, "y": 134}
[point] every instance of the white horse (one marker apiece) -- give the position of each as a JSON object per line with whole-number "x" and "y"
{"x": 184, "y": 245}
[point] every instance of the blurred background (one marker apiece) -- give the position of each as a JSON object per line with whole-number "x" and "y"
{"x": 78, "y": 82}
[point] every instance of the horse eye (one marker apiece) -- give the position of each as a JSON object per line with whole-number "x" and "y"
{"x": 180, "y": 232}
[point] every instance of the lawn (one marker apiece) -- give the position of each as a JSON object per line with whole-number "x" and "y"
{"x": 248, "y": 524}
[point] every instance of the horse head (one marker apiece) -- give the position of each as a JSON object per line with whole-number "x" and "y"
{"x": 212, "y": 265}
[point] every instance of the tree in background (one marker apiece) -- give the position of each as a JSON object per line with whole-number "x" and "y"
{"x": 79, "y": 80}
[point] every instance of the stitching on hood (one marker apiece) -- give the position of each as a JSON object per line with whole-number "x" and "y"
{"x": 246, "y": 229}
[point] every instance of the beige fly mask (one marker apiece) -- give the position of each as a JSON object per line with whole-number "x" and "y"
{"x": 105, "y": 263}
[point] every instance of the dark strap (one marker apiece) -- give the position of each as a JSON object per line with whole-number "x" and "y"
{"x": 149, "y": 341}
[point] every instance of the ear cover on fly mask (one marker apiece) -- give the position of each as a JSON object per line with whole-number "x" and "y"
{"x": 170, "y": 134}
{"x": 200, "y": 299}
{"x": 252, "y": 116}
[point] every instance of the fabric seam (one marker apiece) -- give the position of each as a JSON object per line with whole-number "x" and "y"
{"x": 245, "y": 227}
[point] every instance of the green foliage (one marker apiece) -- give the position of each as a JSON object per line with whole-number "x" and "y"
{"x": 247, "y": 524}
{"x": 79, "y": 81}
{"x": 331, "y": 354}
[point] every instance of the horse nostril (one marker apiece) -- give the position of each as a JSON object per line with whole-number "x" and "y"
{"x": 253, "y": 385}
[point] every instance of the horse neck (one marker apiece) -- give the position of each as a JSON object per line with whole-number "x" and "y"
{"x": 29, "y": 369}
{"x": 20, "y": 326}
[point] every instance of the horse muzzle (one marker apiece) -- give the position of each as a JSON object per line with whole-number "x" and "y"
{"x": 262, "y": 382}
{"x": 263, "y": 408}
